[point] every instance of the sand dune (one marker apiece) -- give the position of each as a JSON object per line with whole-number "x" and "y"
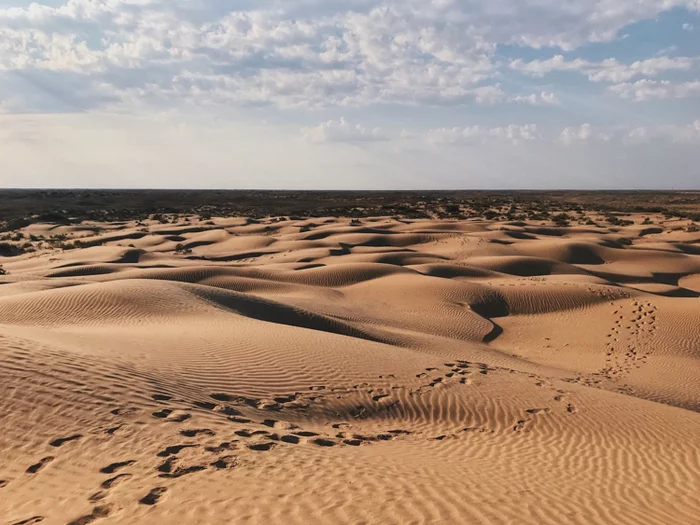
{"x": 379, "y": 371}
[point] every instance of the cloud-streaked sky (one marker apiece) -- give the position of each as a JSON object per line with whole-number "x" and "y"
{"x": 350, "y": 94}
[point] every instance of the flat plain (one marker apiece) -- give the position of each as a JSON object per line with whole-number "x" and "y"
{"x": 386, "y": 358}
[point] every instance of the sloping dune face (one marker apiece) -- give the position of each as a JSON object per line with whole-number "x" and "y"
{"x": 374, "y": 371}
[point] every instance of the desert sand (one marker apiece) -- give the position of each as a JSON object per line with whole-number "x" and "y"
{"x": 371, "y": 371}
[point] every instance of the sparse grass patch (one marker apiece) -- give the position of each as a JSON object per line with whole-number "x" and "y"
{"x": 561, "y": 219}
{"x": 616, "y": 221}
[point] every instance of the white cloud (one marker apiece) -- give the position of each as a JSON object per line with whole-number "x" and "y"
{"x": 630, "y": 135}
{"x": 301, "y": 54}
{"x": 549, "y": 98}
{"x": 688, "y": 27}
{"x": 585, "y": 133}
{"x": 512, "y": 133}
{"x": 494, "y": 94}
{"x": 647, "y": 89}
{"x": 488, "y": 94}
{"x": 609, "y": 70}
{"x": 534, "y": 99}
{"x": 147, "y": 50}
{"x": 515, "y": 134}
{"x": 342, "y": 131}
{"x": 576, "y": 134}
{"x": 670, "y": 132}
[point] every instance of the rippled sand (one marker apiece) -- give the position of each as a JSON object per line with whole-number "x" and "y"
{"x": 377, "y": 371}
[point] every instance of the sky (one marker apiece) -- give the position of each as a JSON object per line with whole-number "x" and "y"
{"x": 351, "y": 94}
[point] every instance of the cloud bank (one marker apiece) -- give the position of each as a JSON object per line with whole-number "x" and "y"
{"x": 514, "y": 75}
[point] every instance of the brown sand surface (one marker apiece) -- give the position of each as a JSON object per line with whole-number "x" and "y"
{"x": 374, "y": 371}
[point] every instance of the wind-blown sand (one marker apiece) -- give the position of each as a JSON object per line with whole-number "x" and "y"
{"x": 381, "y": 372}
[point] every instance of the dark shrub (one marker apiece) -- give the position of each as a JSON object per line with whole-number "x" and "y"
{"x": 9, "y": 250}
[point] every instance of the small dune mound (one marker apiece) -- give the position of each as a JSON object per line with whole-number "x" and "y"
{"x": 523, "y": 266}
{"x": 667, "y": 290}
{"x": 690, "y": 282}
{"x": 339, "y": 275}
{"x": 120, "y": 302}
{"x": 569, "y": 252}
{"x": 450, "y": 271}
{"x": 83, "y": 270}
{"x": 273, "y": 312}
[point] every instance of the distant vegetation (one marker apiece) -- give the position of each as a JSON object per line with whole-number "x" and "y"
{"x": 20, "y": 208}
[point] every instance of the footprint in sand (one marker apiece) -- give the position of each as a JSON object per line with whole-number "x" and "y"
{"x": 111, "y": 469}
{"x": 222, "y": 397}
{"x": 228, "y": 410}
{"x": 154, "y": 496}
{"x": 30, "y": 521}
{"x": 261, "y": 447}
{"x": 206, "y": 405}
{"x": 33, "y": 469}
{"x": 225, "y": 462}
{"x": 226, "y": 445}
{"x": 161, "y": 397}
{"x": 250, "y": 433}
{"x": 125, "y": 411}
{"x": 97, "y": 497}
{"x": 175, "y": 449}
{"x": 537, "y": 410}
{"x": 197, "y": 432}
{"x": 170, "y": 469}
{"x": 60, "y": 441}
{"x": 523, "y": 425}
{"x": 324, "y": 442}
{"x": 116, "y": 480}
{"x": 98, "y": 512}
{"x": 240, "y": 420}
{"x": 279, "y": 425}
{"x": 286, "y": 399}
{"x": 162, "y": 414}
{"x": 112, "y": 430}
{"x": 306, "y": 433}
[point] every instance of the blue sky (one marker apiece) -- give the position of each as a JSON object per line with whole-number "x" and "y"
{"x": 350, "y": 94}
